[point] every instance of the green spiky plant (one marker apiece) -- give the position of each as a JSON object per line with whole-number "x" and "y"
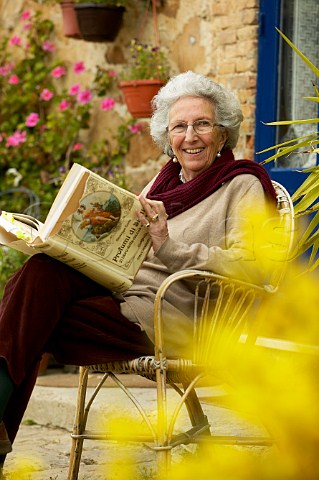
{"x": 306, "y": 196}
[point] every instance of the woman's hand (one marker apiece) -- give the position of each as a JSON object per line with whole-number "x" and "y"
{"x": 154, "y": 217}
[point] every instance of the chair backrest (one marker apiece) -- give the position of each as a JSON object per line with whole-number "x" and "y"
{"x": 220, "y": 310}
{"x": 220, "y": 317}
{"x": 285, "y": 209}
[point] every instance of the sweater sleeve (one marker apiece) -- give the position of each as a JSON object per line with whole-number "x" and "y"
{"x": 234, "y": 255}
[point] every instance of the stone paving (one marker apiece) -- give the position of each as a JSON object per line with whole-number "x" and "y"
{"x": 43, "y": 441}
{"x": 43, "y": 451}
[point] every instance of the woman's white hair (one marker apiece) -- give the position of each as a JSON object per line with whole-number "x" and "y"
{"x": 227, "y": 109}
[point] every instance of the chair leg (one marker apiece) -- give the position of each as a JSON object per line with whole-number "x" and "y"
{"x": 163, "y": 461}
{"x": 195, "y": 411}
{"x": 163, "y": 452}
{"x": 197, "y": 417}
{"x": 79, "y": 426}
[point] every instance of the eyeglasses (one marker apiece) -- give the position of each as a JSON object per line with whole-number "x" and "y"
{"x": 201, "y": 127}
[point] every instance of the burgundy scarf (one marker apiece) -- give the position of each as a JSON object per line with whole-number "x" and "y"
{"x": 178, "y": 197}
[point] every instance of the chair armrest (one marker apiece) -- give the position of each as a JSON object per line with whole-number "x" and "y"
{"x": 199, "y": 276}
{"x": 283, "y": 345}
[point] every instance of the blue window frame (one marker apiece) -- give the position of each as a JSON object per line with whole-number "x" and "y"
{"x": 273, "y": 55}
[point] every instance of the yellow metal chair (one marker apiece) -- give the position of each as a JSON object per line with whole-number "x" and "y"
{"x": 221, "y": 308}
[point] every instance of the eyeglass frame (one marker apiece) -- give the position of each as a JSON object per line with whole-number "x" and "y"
{"x": 213, "y": 125}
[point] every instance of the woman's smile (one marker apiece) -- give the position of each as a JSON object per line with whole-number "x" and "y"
{"x": 194, "y": 151}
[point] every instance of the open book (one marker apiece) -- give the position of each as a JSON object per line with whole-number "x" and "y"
{"x": 91, "y": 226}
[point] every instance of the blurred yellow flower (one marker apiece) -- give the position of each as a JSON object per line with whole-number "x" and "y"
{"x": 23, "y": 469}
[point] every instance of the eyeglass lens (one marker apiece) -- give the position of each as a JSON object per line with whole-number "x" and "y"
{"x": 200, "y": 127}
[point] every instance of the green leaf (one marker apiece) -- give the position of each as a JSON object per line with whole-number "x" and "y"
{"x": 314, "y": 251}
{"x": 310, "y": 182}
{"x": 310, "y": 136}
{"x": 313, "y": 99}
{"x": 301, "y": 55}
{"x": 307, "y": 236}
{"x": 314, "y": 266}
{"x": 308, "y": 199}
{"x": 309, "y": 210}
{"x": 286, "y": 151}
{"x": 294, "y": 122}
{"x": 315, "y": 89}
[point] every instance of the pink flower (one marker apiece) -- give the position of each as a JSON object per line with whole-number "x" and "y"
{"x": 46, "y": 95}
{"x": 22, "y": 136}
{"x": 58, "y": 72}
{"x": 13, "y": 80}
{"x": 16, "y": 139}
{"x": 27, "y": 25}
{"x": 12, "y": 141}
{"x": 32, "y": 120}
{"x": 112, "y": 73}
{"x": 64, "y": 104}
{"x": 5, "y": 69}
{"x": 136, "y": 127}
{"x": 77, "y": 146}
{"x": 26, "y": 15}
{"x": 85, "y": 96}
{"x": 48, "y": 46}
{"x": 79, "y": 67}
{"x": 74, "y": 89}
{"x": 107, "y": 103}
{"x": 15, "y": 40}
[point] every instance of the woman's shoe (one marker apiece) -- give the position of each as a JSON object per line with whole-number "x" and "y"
{"x": 5, "y": 444}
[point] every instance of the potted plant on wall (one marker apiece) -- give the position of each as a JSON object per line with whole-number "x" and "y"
{"x": 146, "y": 72}
{"x": 69, "y": 19}
{"x": 70, "y": 22}
{"x": 99, "y": 20}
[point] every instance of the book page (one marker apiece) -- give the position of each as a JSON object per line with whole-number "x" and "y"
{"x": 66, "y": 201}
{"x": 16, "y": 234}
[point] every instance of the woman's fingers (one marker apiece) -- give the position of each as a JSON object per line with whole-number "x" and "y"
{"x": 154, "y": 217}
{"x": 143, "y": 218}
{"x": 154, "y": 210}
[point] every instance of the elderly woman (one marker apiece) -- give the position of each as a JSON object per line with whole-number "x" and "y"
{"x": 193, "y": 209}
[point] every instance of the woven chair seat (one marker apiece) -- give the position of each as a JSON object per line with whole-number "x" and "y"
{"x": 177, "y": 370}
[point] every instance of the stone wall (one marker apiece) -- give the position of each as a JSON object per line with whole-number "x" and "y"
{"x": 213, "y": 37}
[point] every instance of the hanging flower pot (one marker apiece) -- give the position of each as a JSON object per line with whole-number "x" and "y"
{"x": 99, "y": 23}
{"x": 138, "y": 95}
{"x": 70, "y": 22}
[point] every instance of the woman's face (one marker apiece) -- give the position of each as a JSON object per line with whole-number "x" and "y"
{"x": 195, "y": 152}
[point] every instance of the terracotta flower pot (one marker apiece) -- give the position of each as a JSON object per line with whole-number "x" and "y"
{"x": 138, "y": 95}
{"x": 70, "y": 22}
{"x": 99, "y": 23}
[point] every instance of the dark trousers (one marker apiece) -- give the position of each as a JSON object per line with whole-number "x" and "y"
{"x": 49, "y": 307}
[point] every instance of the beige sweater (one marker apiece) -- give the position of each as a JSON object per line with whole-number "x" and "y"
{"x": 208, "y": 236}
